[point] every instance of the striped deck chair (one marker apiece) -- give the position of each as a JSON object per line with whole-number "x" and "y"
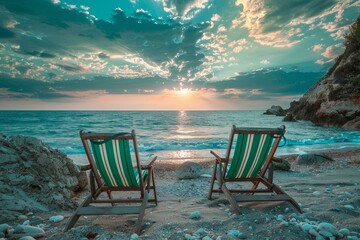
{"x": 112, "y": 170}
{"x": 251, "y": 162}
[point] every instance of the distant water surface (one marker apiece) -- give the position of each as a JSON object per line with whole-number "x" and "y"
{"x": 169, "y": 134}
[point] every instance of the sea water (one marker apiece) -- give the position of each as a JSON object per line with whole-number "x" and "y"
{"x": 170, "y": 134}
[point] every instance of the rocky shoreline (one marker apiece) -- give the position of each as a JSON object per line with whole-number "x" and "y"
{"x": 325, "y": 184}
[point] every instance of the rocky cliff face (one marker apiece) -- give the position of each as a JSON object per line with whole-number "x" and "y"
{"x": 35, "y": 177}
{"x": 335, "y": 99}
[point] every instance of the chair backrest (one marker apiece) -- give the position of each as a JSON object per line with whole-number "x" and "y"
{"x": 110, "y": 158}
{"x": 254, "y": 149}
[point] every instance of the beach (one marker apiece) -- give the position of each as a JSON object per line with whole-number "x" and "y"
{"x": 328, "y": 194}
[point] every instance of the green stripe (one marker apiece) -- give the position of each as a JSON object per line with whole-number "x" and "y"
{"x": 252, "y": 153}
{"x": 118, "y": 162}
{"x": 238, "y": 155}
{"x": 263, "y": 155}
{"x": 100, "y": 164}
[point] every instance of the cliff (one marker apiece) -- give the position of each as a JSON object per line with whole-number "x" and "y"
{"x": 335, "y": 99}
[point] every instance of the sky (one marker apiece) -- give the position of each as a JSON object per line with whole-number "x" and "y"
{"x": 166, "y": 54}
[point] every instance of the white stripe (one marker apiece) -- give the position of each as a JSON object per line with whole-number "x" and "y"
{"x": 105, "y": 160}
{"x": 249, "y": 143}
{"x": 119, "y": 166}
{"x": 257, "y": 156}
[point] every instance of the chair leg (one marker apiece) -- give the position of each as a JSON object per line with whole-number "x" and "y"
{"x": 212, "y": 181}
{"x": 233, "y": 202}
{"x": 153, "y": 183}
{"x": 142, "y": 213}
{"x": 110, "y": 196}
{"x": 74, "y": 217}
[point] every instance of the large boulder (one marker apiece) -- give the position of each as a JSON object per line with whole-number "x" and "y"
{"x": 275, "y": 110}
{"x": 335, "y": 99}
{"x": 35, "y": 177}
{"x": 189, "y": 170}
{"x": 311, "y": 159}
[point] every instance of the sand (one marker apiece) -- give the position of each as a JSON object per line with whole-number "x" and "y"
{"x": 328, "y": 192}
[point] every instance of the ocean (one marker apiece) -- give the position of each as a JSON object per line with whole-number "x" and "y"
{"x": 170, "y": 134}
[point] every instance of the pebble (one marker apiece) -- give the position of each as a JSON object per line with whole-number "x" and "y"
{"x": 326, "y": 234}
{"x": 242, "y": 236}
{"x": 344, "y": 231}
{"x": 350, "y": 207}
{"x": 134, "y": 236}
{"x": 27, "y": 238}
{"x": 57, "y": 218}
{"x": 233, "y": 233}
{"x": 319, "y": 237}
{"x": 195, "y": 215}
{"x": 27, "y": 222}
{"x": 286, "y": 210}
{"x": 280, "y": 217}
{"x": 317, "y": 193}
{"x": 306, "y": 227}
{"x": 352, "y": 238}
{"x": 22, "y": 217}
{"x": 327, "y": 227}
{"x": 25, "y": 230}
{"x": 188, "y": 236}
{"x": 313, "y": 232}
{"x": 201, "y": 231}
{"x": 206, "y": 238}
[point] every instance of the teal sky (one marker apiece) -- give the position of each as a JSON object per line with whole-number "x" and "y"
{"x": 166, "y": 54}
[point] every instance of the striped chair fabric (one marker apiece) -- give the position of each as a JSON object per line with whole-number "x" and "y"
{"x": 113, "y": 160}
{"x": 251, "y": 151}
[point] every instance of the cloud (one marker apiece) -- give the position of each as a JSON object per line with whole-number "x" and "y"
{"x": 317, "y": 47}
{"x": 272, "y": 22}
{"x": 265, "y": 61}
{"x": 333, "y": 51}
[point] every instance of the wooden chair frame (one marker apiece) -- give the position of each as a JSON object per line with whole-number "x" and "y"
{"x": 97, "y": 185}
{"x": 265, "y": 175}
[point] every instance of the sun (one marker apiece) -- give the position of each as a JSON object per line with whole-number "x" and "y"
{"x": 184, "y": 91}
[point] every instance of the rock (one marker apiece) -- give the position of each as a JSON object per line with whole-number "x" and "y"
{"x": 206, "y": 238}
{"x": 27, "y": 238}
{"x": 344, "y": 231}
{"x": 334, "y": 99}
{"x": 4, "y": 228}
{"x": 275, "y": 110}
{"x": 242, "y": 236}
{"x": 189, "y": 170}
{"x": 282, "y": 165}
{"x": 289, "y": 118}
{"x": 41, "y": 178}
{"x": 195, "y": 215}
{"x": 306, "y": 227}
{"x": 310, "y": 159}
{"x": 24, "y": 230}
{"x": 233, "y": 233}
{"x": 353, "y": 124}
{"x": 326, "y": 234}
{"x": 328, "y": 227}
{"x": 350, "y": 207}
{"x": 134, "y": 236}
{"x": 56, "y": 218}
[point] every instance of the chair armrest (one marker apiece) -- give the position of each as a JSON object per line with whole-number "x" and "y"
{"x": 217, "y": 157}
{"x": 276, "y": 159}
{"x": 149, "y": 162}
{"x": 84, "y": 167}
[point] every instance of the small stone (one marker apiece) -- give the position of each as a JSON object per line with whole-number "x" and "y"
{"x": 195, "y": 215}
{"x": 24, "y": 230}
{"x": 350, "y": 207}
{"x": 201, "y": 231}
{"x": 285, "y": 224}
{"x": 134, "y": 236}
{"x": 27, "y": 238}
{"x": 327, "y": 227}
{"x": 4, "y": 228}
{"x": 242, "y": 236}
{"x": 57, "y": 218}
{"x": 286, "y": 210}
{"x": 313, "y": 232}
{"x": 326, "y": 234}
{"x": 317, "y": 193}
{"x": 27, "y": 222}
{"x": 306, "y": 227}
{"x": 207, "y": 238}
{"x": 22, "y": 217}
{"x": 344, "y": 231}
{"x": 188, "y": 237}
{"x": 233, "y": 233}
{"x": 319, "y": 237}
{"x": 352, "y": 238}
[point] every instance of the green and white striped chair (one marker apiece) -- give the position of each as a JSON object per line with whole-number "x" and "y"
{"x": 112, "y": 170}
{"x": 251, "y": 160}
